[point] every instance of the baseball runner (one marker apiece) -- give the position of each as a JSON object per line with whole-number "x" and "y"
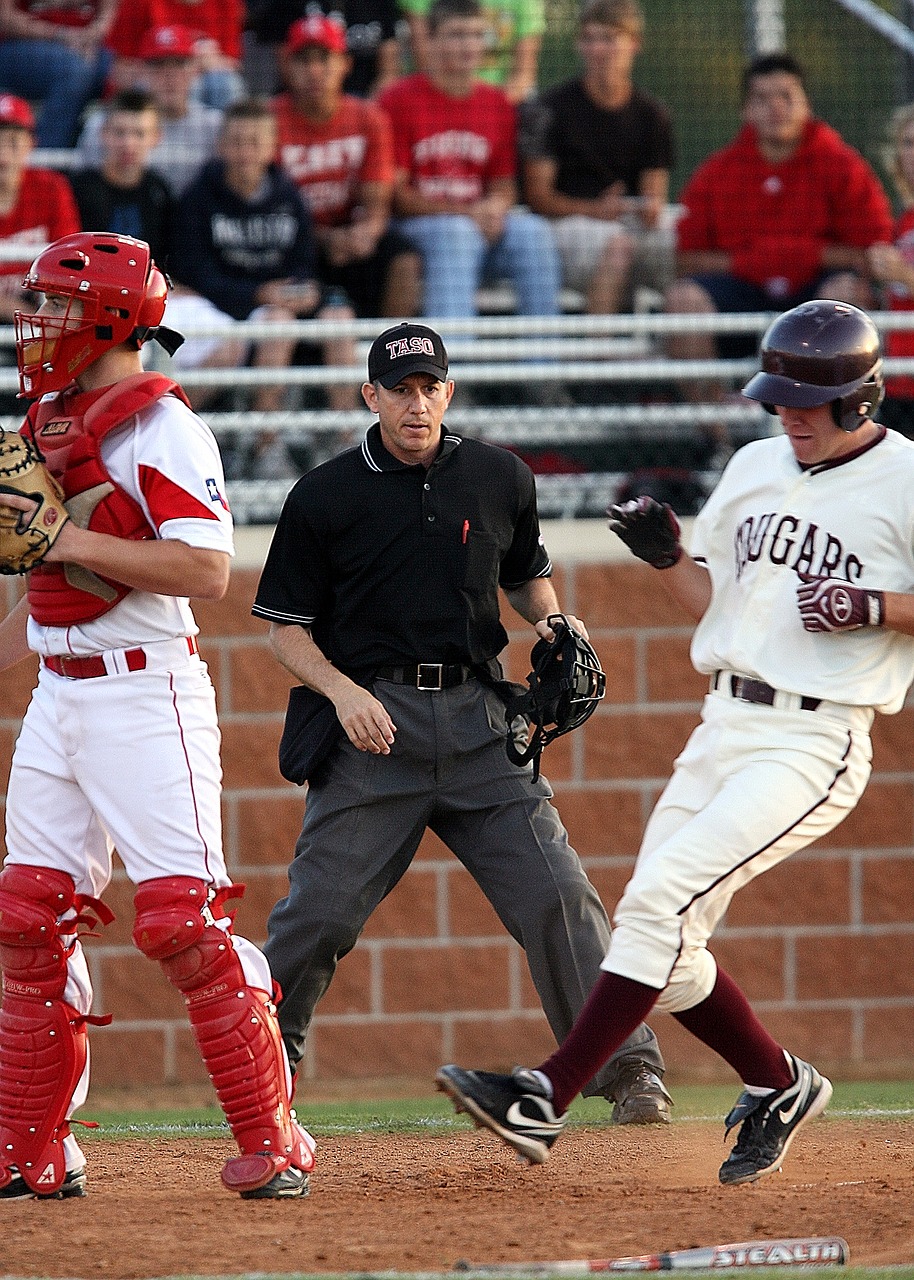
{"x": 119, "y": 746}
{"x": 381, "y": 587}
{"x": 801, "y": 578}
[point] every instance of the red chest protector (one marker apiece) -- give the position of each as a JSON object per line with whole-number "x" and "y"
{"x": 69, "y": 428}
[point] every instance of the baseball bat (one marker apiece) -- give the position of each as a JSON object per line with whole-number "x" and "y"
{"x": 820, "y": 1250}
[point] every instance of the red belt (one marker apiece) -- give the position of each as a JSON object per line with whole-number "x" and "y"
{"x": 88, "y": 668}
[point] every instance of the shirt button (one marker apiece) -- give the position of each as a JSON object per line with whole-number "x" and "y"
{"x": 431, "y": 518}
{"x": 426, "y": 486}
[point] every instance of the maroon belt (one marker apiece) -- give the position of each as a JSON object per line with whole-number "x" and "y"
{"x": 88, "y": 668}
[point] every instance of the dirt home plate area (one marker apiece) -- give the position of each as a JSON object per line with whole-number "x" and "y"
{"x": 421, "y": 1203}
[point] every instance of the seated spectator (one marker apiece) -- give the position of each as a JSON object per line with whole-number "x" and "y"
{"x": 36, "y": 205}
{"x": 371, "y": 40}
{"x": 188, "y": 130}
{"x": 513, "y": 36}
{"x": 243, "y": 240}
{"x": 53, "y": 53}
{"x": 124, "y": 195}
{"x": 339, "y": 151}
{"x": 455, "y": 189}
{"x": 892, "y": 264}
{"x": 782, "y": 214}
{"x": 596, "y": 155}
{"x": 216, "y": 25}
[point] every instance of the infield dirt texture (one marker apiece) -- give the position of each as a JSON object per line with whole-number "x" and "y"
{"x": 415, "y": 1202}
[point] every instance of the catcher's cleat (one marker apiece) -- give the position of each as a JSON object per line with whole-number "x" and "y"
{"x": 291, "y": 1184}
{"x": 639, "y": 1096}
{"x": 74, "y": 1184}
{"x": 515, "y": 1107}
{"x": 769, "y": 1124}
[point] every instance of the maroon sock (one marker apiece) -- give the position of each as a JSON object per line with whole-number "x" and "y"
{"x": 613, "y": 1009}
{"x": 725, "y": 1023}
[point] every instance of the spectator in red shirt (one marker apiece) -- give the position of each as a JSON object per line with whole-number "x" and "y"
{"x": 217, "y": 25}
{"x": 782, "y": 214}
{"x": 455, "y": 191}
{"x": 53, "y": 53}
{"x": 339, "y": 151}
{"x": 36, "y": 205}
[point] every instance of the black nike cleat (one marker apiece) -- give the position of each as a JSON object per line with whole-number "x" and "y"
{"x": 73, "y": 1185}
{"x": 770, "y": 1123}
{"x": 287, "y": 1185}
{"x": 516, "y": 1107}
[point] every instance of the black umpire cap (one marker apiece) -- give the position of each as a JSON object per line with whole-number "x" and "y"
{"x": 404, "y": 349}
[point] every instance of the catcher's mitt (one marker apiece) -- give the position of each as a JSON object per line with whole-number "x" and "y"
{"x": 25, "y": 539}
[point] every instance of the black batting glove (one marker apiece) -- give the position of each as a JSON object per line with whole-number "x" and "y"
{"x": 827, "y": 604}
{"x": 649, "y": 529}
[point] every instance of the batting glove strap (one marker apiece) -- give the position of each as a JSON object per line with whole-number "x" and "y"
{"x": 649, "y": 529}
{"x": 829, "y": 605}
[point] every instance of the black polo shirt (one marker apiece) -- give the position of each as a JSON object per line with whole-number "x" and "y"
{"x": 389, "y": 563}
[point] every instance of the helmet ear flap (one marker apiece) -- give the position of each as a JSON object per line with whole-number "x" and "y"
{"x": 852, "y": 410}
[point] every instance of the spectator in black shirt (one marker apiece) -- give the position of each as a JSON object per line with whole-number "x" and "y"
{"x": 125, "y": 195}
{"x": 596, "y": 153}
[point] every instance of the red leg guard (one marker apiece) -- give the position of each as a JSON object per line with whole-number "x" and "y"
{"x": 234, "y": 1024}
{"x": 42, "y": 1039}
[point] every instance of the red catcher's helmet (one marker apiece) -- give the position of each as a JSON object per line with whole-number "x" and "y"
{"x": 122, "y": 293}
{"x": 821, "y": 352}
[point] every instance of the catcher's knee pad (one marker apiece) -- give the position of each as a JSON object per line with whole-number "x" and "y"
{"x": 234, "y": 1024}
{"x": 43, "y": 1044}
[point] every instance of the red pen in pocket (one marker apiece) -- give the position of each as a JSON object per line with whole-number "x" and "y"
{"x": 466, "y": 530}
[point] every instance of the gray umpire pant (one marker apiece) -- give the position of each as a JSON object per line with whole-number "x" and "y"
{"x": 447, "y": 770}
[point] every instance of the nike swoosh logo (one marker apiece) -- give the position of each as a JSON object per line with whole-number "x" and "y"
{"x": 515, "y": 1116}
{"x": 802, "y": 1094}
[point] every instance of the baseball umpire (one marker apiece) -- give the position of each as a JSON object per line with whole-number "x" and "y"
{"x": 381, "y": 587}
{"x": 119, "y": 745}
{"x": 801, "y": 578}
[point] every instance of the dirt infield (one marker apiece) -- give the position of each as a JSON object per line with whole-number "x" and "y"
{"x": 156, "y": 1208}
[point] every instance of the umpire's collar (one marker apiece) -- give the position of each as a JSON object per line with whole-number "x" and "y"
{"x": 377, "y": 457}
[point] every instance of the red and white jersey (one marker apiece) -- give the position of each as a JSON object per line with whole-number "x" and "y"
{"x": 44, "y": 211}
{"x": 452, "y": 148}
{"x": 769, "y": 521}
{"x": 167, "y": 459}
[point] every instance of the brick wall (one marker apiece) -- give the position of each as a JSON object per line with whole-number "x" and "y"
{"x": 824, "y": 945}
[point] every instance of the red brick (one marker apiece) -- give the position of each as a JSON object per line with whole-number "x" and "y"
{"x": 258, "y": 682}
{"x": 888, "y": 1034}
{"x": 609, "y": 883}
{"x": 16, "y": 685}
{"x": 345, "y": 1052}
{"x": 637, "y": 745}
{"x": 601, "y": 823}
{"x": 819, "y": 1036}
{"x": 410, "y": 910}
{"x": 350, "y": 990}
{"x": 450, "y": 976}
{"x": 263, "y": 889}
{"x": 118, "y": 897}
{"x": 756, "y": 964}
{"x": 840, "y": 967}
{"x": 669, "y": 671}
{"x": 496, "y": 1044}
{"x": 431, "y": 848}
{"x": 884, "y": 817}
{"x": 231, "y": 616}
{"x": 265, "y": 830}
{"x": 624, "y": 596}
{"x": 469, "y": 912}
{"x": 249, "y": 753}
{"x": 134, "y": 988}
{"x": 619, "y": 659}
{"x": 887, "y": 890}
{"x": 801, "y": 891}
{"x": 8, "y": 738}
{"x": 189, "y": 1067}
{"x": 121, "y": 1057}
{"x": 892, "y": 742}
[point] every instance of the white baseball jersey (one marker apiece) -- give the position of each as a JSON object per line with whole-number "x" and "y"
{"x": 767, "y": 523}
{"x": 167, "y": 459}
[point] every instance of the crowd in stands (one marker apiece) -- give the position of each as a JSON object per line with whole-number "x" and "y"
{"x": 312, "y": 158}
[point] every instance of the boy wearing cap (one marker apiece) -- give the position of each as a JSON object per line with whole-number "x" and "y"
{"x": 381, "y": 588}
{"x": 339, "y": 151}
{"x": 36, "y": 205}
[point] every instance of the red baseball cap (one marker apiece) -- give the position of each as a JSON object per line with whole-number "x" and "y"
{"x": 16, "y": 111}
{"x": 159, "y": 43}
{"x": 324, "y": 32}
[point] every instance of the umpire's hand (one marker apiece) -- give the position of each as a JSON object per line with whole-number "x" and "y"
{"x": 365, "y": 719}
{"x": 544, "y": 630}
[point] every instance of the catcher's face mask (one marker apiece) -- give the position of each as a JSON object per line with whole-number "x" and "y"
{"x": 564, "y": 687}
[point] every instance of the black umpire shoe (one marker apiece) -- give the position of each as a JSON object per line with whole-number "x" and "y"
{"x": 287, "y": 1185}
{"x": 769, "y": 1124}
{"x": 74, "y": 1184}
{"x": 638, "y": 1095}
{"x": 516, "y": 1107}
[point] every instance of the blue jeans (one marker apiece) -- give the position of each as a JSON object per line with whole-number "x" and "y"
{"x": 457, "y": 258}
{"x": 62, "y": 79}
{"x": 218, "y": 88}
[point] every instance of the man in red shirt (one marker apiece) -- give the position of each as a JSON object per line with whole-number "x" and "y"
{"x": 455, "y": 191}
{"x": 36, "y": 205}
{"x": 339, "y": 151}
{"x": 782, "y": 214}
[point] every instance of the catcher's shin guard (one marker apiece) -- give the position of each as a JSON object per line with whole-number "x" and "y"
{"x": 234, "y": 1024}
{"x": 43, "y": 1043}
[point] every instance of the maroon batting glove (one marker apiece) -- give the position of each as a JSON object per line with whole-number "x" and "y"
{"x": 827, "y": 604}
{"x": 649, "y": 529}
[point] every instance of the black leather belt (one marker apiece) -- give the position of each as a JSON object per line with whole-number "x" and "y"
{"x": 427, "y": 675}
{"x": 749, "y": 690}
